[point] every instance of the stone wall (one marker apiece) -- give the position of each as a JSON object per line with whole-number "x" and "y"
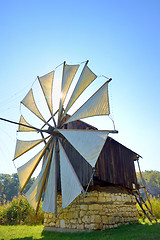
{"x": 101, "y": 209}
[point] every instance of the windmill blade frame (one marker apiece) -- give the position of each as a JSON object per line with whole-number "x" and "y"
{"x": 88, "y": 143}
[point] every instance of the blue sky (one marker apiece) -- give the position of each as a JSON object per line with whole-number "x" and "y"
{"x": 120, "y": 38}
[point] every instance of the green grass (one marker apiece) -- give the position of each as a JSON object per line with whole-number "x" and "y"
{"x": 127, "y": 232}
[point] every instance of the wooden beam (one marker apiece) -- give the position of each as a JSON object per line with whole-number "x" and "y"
{"x": 55, "y": 175}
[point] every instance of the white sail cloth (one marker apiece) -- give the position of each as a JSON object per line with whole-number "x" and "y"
{"x": 26, "y": 170}
{"x": 48, "y": 203}
{"x": 24, "y": 146}
{"x": 69, "y": 72}
{"x": 88, "y": 143}
{"x": 70, "y": 184}
{"x": 68, "y": 75}
{"x": 29, "y": 102}
{"x": 34, "y": 193}
{"x": 46, "y": 83}
{"x": 97, "y": 105}
{"x": 85, "y": 79}
{"x": 22, "y": 128}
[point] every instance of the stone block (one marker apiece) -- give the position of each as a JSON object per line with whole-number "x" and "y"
{"x": 93, "y": 207}
{"x": 93, "y": 226}
{"x": 82, "y": 213}
{"x": 58, "y": 223}
{"x": 106, "y": 194}
{"x": 45, "y": 215}
{"x": 104, "y": 227}
{"x": 90, "y": 199}
{"x": 86, "y": 219}
{"x": 111, "y": 220}
{"x": 117, "y": 219}
{"x": 94, "y": 194}
{"x": 51, "y": 215}
{"x": 71, "y": 215}
{"x": 69, "y": 225}
{"x": 74, "y": 221}
{"x": 113, "y": 198}
{"x": 84, "y": 207}
{"x": 96, "y": 219}
{"x": 118, "y": 199}
{"x": 62, "y": 223}
{"x": 73, "y": 226}
{"x": 80, "y": 226}
{"x": 89, "y": 213}
{"x": 104, "y": 219}
{"x": 52, "y": 224}
{"x": 45, "y": 220}
{"x": 101, "y": 199}
{"x": 79, "y": 220}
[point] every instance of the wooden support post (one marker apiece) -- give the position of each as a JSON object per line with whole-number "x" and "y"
{"x": 55, "y": 175}
{"x": 144, "y": 184}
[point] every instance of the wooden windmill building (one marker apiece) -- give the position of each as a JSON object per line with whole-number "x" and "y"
{"x": 87, "y": 177}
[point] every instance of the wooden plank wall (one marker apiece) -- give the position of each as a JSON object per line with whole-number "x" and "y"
{"x": 116, "y": 164}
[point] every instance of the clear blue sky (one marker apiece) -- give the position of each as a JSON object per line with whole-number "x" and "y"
{"x": 120, "y": 38}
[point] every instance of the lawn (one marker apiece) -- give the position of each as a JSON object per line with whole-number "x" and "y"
{"x": 127, "y": 232}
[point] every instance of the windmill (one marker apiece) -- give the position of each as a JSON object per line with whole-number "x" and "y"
{"x": 88, "y": 143}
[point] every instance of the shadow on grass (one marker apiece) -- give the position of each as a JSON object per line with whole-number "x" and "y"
{"x": 25, "y": 238}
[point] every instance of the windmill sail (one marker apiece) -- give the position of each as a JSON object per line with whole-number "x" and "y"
{"x": 22, "y": 128}
{"x": 24, "y": 146}
{"x": 85, "y": 79}
{"x": 69, "y": 72}
{"x": 29, "y": 102}
{"x": 46, "y": 83}
{"x": 68, "y": 75}
{"x": 88, "y": 143}
{"x": 34, "y": 193}
{"x": 26, "y": 170}
{"x": 48, "y": 203}
{"x": 70, "y": 184}
{"x": 97, "y": 104}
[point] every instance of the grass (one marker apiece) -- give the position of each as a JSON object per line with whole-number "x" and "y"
{"x": 132, "y": 232}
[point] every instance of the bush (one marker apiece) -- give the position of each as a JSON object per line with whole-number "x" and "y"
{"x": 19, "y": 211}
{"x": 155, "y": 202}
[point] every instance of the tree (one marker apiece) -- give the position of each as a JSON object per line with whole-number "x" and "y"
{"x": 152, "y": 182}
{"x": 9, "y": 186}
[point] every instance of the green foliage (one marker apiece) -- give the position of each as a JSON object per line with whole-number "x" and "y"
{"x": 19, "y": 211}
{"x": 155, "y": 202}
{"x": 9, "y": 187}
{"x": 151, "y": 181}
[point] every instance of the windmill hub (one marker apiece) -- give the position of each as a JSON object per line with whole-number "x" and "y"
{"x": 51, "y": 130}
{"x": 54, "y": 132}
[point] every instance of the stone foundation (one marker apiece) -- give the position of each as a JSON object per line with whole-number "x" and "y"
{"x": 101, "y": 209}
